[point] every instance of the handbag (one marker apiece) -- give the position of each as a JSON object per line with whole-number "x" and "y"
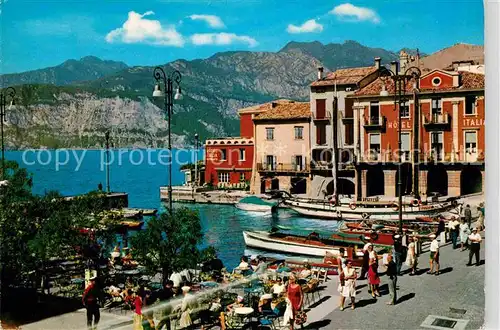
{"x": 300, "y": 317}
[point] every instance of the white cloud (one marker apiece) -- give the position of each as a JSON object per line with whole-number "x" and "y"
{"x": 221, "y": 39}
{"x": 212, "y": 20}
{"x": 138, "y": 29}
{"x": 308, "y": 26}
{"x": 351, "y": 12}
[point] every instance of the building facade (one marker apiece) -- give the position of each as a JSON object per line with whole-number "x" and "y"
{"x": 282, "y": 148}
{"x": 442, "y": 136}
{"x": 333, "y": 124}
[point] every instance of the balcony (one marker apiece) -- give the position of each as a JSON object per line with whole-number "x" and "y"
{"x": 327, "y": 116}
{"x": 375, "y": 123}
{"x": 348, "y": 118}
{"x": 437, "y": 122}
{"x": 282, "y": 168}
{"x": 320, "y": 165}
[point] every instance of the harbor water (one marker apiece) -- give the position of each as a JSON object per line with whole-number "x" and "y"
{"x": 79, "y": 171}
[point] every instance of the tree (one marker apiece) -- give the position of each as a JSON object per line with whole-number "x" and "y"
{"x": 169, "y": 243}
{"x": 35, "y": 229}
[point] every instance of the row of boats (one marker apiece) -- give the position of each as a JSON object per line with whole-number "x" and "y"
{"x": 373, "y": 222}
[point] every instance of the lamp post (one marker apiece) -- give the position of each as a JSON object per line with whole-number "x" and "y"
{"x": 107, "y": 137}
{"x": 8, "y": 94}
{"x": 168, "y": 94}
{"x": 196, "y": 160}
{"x": 400, "y": 81}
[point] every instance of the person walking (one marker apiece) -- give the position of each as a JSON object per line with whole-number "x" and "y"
{"x": 398, "y": 252}
{"x": 464, "y": 235}
{"x": 475, "y": 245}
{"x": 454, "y": 228}
{"x": 341, "y": 270}
{"x": 480, "y": 220}
{"x": 296, "y": 297}
{"x": 434, "y": 255}
{"x": 393, "y": 279}
{"x": 411, "y": 257}
{"x": 366, "y": 261}
{"x": 91, "y": 299}
{"x": 373, "y": 277}
{"x": 468, "y": 215}
{"x": 349, "y": 289}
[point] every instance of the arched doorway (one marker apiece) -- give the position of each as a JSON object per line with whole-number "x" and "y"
{"x": 471, "y": 181}
{"x": 298, "y": 185}
{"x": 345, "y": 186}
{"x": 437, "y": 180}
{"x": 406, "y": 179}
{"x": 375, "y": 182}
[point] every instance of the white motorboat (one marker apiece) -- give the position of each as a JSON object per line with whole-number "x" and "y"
{"x": 255, "y": 204}
{"x": 293, "y": 244}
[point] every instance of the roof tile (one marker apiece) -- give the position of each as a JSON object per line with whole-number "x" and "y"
{"x": 345, "y": 76}
{"x": 285, "y": 110}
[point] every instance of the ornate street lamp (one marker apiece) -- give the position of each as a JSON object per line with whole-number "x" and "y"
{"x": 168, "y": 94}
{"x": 400, "y": 81}
{"x": 6, "y": 95}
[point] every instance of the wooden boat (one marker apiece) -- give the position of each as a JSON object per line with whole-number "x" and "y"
{"x": 384, "y": 211}
{"x": 132, "y": 225}
{"x": 294, "y": 244}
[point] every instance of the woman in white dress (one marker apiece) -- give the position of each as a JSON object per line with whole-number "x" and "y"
{"x": 340, "y": 269}
{"x": 349, "y": 289}
{"x": 464, "y": 234}
{"x": 411, "y": 258}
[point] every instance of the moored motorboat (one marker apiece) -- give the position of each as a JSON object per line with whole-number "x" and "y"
{"x": 255, "y": 204}
{"x": 293, "y": 244}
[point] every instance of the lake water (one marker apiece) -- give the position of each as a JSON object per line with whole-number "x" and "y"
{"x": 141, "y": 173}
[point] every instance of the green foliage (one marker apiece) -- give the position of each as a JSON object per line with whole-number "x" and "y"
{"x": 35, "y": 229}
{"x": 169, "y": 242}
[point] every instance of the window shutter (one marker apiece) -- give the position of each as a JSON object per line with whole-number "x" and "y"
{"x": 320, "y": 108}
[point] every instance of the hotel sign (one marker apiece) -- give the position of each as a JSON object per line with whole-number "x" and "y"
{"x": 394, "y": 124}
{"x": 473, "y": 122}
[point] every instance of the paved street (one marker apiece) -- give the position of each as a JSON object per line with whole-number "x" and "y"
{"x": 458, "y": 287}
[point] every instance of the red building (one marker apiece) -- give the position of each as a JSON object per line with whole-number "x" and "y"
{"x": 229, "y": 161}
{"x": 442, "y": 137}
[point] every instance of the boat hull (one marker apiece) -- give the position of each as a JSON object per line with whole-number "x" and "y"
{"x": 262, "y": 240}
{"x": 253, "y": 207}
{"x": 343, "y": 212}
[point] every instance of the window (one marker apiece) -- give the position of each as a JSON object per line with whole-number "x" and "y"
{"x": 349, "y": 103}
{"x": 270, "y": 162}
{"x": 405, "y": 147}
{"x": 374, "y": 113}
{"x": 436, "y": 81}
{"x": 223, "y": 154}
{"x": 471, "y": 142}
{"x": 242, "y": 176}
{"x": 436, "y": 107}
{"x": 470, "y": 105}
{"x": 297, "y": 163}
{"x": 299, "y": 132}
{"x": 405, "y": 110}
{"x": 437, "y": 145}
{"x": 349, "y": 134}
{"x": 224, "y": 177}
{"x": 320, "y": 109}
{"x": 270, "y": 133}
{"x": 242, "y": 154}
{"x": 374, "y": 146}
{"x": 320, "y": 135}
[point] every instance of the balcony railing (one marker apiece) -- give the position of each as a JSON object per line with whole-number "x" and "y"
{"x": 326, "y": 116}
{"x": 437, "y": 121}
{"x": 280, "y": 167}
{"x": 375, "y": 123}
{"x": 321, "y": 165}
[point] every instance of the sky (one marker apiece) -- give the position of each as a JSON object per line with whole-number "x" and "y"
{"x": 41, "y": 33}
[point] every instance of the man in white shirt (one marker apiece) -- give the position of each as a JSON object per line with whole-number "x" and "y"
{"x": 434, "y": 255}
{"x": 454, "y": 228}
{"x": 475, "y": 245}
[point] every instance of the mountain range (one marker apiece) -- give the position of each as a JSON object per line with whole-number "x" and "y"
{"x": 74, "y": 103}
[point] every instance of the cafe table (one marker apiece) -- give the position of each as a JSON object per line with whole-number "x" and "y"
{"x": 243, "y": 312}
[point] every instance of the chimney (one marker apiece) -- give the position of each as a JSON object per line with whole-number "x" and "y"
{"x": 403, "y": 60}
{"x": 320, "y": 73}
{"x": 377, "y": 62}
{"x": 394, "y": 67}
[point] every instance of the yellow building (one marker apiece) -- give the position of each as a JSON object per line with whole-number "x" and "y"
{"x": 282, "y": 148}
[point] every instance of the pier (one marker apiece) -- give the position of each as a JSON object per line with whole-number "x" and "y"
{"x": 188, "y": 194}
